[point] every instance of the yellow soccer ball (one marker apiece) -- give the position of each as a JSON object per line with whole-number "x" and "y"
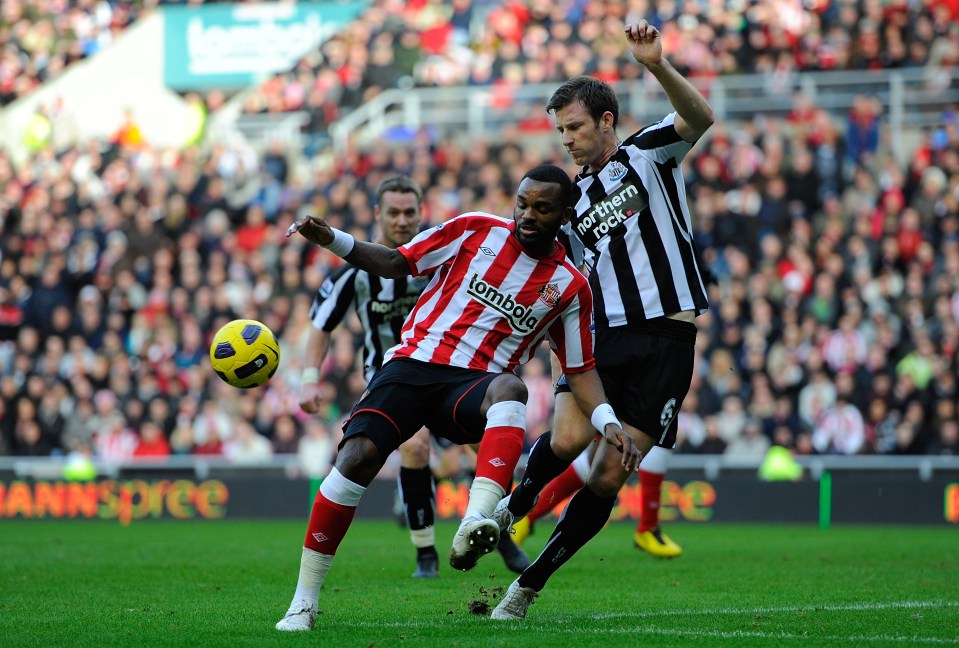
{"x": 245, "y": 353}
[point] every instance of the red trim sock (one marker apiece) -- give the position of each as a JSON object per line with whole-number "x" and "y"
{"x": 499, "y": 453}
{"x": 328, "y": 524}
{"x": 564, "y": 485}
{"x": 651, "y": 494}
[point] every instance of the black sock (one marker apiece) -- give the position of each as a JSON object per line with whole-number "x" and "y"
{"x": 583, "y": 518}
{"x": 541, "y": 467}
{"x": 422, "y": 552}
{"x": 416, "y": 492}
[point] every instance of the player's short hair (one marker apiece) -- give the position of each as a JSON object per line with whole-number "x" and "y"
{"x": 553, "y": 174}
{"x": 400, "y": 184}
{"x": 596, "y": 95}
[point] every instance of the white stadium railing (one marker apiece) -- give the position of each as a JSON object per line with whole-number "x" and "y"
{"x": 923, "y": 466}
{"x": 913, "y": 98}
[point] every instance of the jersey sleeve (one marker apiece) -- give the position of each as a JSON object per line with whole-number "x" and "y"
{"x": 661, "y": 141}
{"x": 333, "y": 299}
{"x": 570, "y": 336}
{"x": 436, "y": 246}
{"x": 575, "y": 251}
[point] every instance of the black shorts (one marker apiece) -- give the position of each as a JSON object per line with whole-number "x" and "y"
{"x": 404, "y": 395}
{"x": 646, "y": 372}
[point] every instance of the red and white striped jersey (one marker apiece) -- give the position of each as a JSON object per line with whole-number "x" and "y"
{"x": 489, "y": 303}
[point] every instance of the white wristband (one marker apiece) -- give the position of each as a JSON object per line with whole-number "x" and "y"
{"x": 311, "y": 376}
{"x": 602, "y": 416}
{"x": 342, "y": 243}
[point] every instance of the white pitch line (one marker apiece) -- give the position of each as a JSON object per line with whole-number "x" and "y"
{"x": 736, "y": 634}
{"x": 851, "y": 607}
{"x": 743, "y": 634}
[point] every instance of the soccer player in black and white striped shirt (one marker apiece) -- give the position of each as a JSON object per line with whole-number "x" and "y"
{"x": 634, "y": 226}
{"x": 382, "y": 305}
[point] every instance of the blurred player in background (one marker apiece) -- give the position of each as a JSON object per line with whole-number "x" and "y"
{"x": 634, "y": 228}
{"x": 498, "y": 288}
{"x": 382, "y": 305}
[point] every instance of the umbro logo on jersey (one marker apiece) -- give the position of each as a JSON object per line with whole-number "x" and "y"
{"x": 497, "y": 462}
{"x": 520, "y": 317}
{"x": 319, "y": 537}
{"x": 487, "y": 251}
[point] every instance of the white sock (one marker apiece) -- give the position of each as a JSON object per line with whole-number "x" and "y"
{"x": 581, "y": 465}
{"x": 423, "y": 537}
{"x": 485, "y": 494}
{"x": 656, "y": 460}
{"x": 313, "y": 569}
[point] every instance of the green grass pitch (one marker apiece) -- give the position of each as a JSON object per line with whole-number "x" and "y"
{"x": 226, "y": 583}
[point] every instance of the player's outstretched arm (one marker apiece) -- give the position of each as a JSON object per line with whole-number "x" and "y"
{"x": 372, "y": 257}
{"x": 587, "y": 389}
{"x": 317, "y": 346}
{"x": 694, "y": 114}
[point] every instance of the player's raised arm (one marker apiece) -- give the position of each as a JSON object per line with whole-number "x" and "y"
{"x": 695, "y": 115}
{"x": 372, "y": 257}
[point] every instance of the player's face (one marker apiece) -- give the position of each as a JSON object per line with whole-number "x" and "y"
{"x": 539, "y": 212}
{"x": 581, "y": 134}
{"x": 399, "y": 216}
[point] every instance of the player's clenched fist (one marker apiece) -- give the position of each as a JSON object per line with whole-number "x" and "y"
{"x": 644, "y": 42}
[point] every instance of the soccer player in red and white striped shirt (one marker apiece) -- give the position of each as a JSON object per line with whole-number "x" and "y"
{"x": 498, "y": 288}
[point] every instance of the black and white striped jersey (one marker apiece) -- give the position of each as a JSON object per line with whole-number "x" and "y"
{"x": 381, "y": 304}
{"x": 635, "y": 232}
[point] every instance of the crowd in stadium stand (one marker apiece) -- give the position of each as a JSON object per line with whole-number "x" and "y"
{"x": 39, "y": 39}
{"x": 507, "y": 43}
{"x": 510, "y": 43}
{"x": 833, "y": 326}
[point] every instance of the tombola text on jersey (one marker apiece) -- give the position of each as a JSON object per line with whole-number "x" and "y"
{"x": 521, "y": 317}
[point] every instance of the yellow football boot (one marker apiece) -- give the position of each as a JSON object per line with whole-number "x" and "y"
{"x": 521, "y": 530}
{"x": 657, "y": 543}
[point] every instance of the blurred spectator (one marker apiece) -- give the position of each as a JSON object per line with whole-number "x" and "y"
{"x": 840, "y": 430}
{"x": 286, "y": 438}
{"x": 948, "y": 441}
{"x": 316, "y": 449}
{"x": 817, "y": 396}
{"x": 115, "y": 442}
{"x": 211, "y": 426}
{"x": 152, "y": 443}
{"x": 862, "y": 129}
{"x": 691, "y": 431}
{"x": 713, "y": 443}
{"x": 246, "y": 446}
{"x": 750, "y": 444}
